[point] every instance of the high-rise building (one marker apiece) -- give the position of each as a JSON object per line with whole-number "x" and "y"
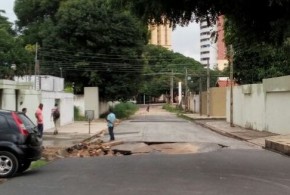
{"x": 161, "y": 35}
{"x": 212, "y": 46}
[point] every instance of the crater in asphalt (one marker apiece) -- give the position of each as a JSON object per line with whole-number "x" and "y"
{"x": 117, "y": 148}
{"x": 165, "y": 148}
{"x": 158, "y": 121}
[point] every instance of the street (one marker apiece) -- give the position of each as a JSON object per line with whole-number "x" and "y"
{"x": 221, "y": 165}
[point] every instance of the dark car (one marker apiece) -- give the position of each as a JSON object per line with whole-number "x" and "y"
{"x": 20, "y": 143}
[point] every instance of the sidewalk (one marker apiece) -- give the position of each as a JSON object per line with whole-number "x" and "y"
{"x": 267, "y": 140}
{"x": 72, "y": 134}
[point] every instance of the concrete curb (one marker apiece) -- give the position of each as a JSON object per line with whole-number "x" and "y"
{"x": 277, "y": 147}
{"x": 219, "y": 131}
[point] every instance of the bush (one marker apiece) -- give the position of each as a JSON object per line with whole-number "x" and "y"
{"x": 77, "y": 115}
{"x": 170, "y": 108}
{"x": 125, "y": 109}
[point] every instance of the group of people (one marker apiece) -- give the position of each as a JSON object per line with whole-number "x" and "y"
{"x": 55, "y": 114}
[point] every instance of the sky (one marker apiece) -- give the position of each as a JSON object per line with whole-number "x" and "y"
{"x": 185, "y": 40}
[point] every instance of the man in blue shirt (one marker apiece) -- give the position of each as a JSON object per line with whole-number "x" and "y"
{"x": 111, "y": 118}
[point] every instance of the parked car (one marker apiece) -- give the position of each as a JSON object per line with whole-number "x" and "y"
{"x": 20, "y": 143}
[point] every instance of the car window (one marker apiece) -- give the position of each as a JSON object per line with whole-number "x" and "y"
{"x": 3, "y": 124}
{"x": 26, "y": 121}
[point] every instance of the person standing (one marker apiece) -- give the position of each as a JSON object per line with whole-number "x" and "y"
{"x": 39, "y": 118}
{"x": 148, "y": 107}
{"x": 24, "y": 110}
{"x": 55, "y": 114}
{"x": 111, "y": 118}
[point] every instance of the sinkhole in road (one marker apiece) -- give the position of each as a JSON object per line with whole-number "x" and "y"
{"x": 118, "y": 148}
{"x": 165, "y": 148}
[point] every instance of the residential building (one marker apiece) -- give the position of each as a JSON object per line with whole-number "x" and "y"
{"x": 161, "y": 35}
{"x": 29, "y": 91}
{"x": 212, "y": 46}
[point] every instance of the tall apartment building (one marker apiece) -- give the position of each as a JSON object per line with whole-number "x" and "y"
{"x": 161, "y": 35}
{"x": 213, "y": 51}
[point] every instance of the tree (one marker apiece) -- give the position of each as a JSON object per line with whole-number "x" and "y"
{"x": 264, "y": 20}
{"x": 14, "y": 59}
{"x": 92, "y": 42}
{"x": 161, "y": 63}
{"x": 256, "y": 60}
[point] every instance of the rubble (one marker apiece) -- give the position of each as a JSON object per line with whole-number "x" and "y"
{"x": 83, "y": 149}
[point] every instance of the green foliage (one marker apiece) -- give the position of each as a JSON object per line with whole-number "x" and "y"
{"x": 254, "y": 61}
{"x": 125, "y": 109}
{"x": 77, "y": 115}
{"x": 12, "y": 52}
{"x": 37, "y": 164}
{"x": 161, "y": 64}
{"x": 175, "y": 109}
{"x": 93, "y": 42}
{"x": 265, "y": 21}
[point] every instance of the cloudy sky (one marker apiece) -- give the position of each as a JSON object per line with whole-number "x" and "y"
{"x": 185, "y": 40}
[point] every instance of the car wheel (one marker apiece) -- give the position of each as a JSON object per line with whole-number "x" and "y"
{"x": 8, "y": 164}
{"x": 23, "y": 166}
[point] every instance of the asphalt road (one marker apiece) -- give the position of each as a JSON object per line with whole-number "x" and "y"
{"x": 160, "y": 126}
{"x": 238, "y": 168}
{"x": 223, "y": 172}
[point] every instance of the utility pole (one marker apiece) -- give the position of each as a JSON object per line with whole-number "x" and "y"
{"x": 231, "y": 92}
{"x": 186, "y": 89}
{"x": 200, "y": 95}
{"x": 171, "y": 88}
{"x": 208, "y": 92}
{"x": 36, "y": 67}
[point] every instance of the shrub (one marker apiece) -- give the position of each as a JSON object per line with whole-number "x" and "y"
{"x": 125, "y": 109}
{"x": 77, "y": 115}
{"x": 170, "y": 108}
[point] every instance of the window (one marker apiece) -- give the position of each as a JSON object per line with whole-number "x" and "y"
{"x": 204, "y": 46}
{"x": 202, "y": 27}
{"x": 202, "y": 40}
{"x": 204, "y": 59}
{"x": 205, "y": 33}
{"x": 4, "y": 126}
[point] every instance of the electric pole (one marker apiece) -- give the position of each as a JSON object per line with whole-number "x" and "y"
{"x": 185, "y": 94}
{"x": 171, "y": 88}
{"x": 231, "y": 92}
{"x": 36, "y": 67}
{"x": 200, "y": 96}
{"x": 208, "y": 92}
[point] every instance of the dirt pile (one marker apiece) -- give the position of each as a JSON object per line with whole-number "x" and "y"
{"x": 83, "y": 149}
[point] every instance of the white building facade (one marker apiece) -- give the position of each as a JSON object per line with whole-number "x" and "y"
{"x": 208, "y": 47}
{"x": 21, "y": 93}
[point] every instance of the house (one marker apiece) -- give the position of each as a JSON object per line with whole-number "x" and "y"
{"x": 29, "y": 91}
{"x": 225, "y": 82}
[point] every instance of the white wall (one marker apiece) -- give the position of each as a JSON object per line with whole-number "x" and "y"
{"x": 79, "y": 102}
{"x": 264, "y": 107}
{"x": 248, "y": 106}
{"x": 194, "y": 103}
{"x": 92, "y": 100}
{"x": 66, "y": 108}
{"x": 8, "y": 99}
{"x": 16, "y": 95}
{"x": 46, "y": 82}
{"x": 29, "y": 99}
